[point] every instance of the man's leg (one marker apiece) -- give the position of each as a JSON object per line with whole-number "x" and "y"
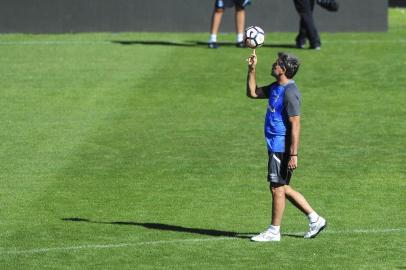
{"x": 276, "y": 185}
{"x": 298, "y": 200}
{"x": 278, "y": 207}
{"x": 316, "y": 222}
{"x": 239, "y": 25}
{"x": 310, "y": 25}
{"x": 216, "y": 20}
{"x": 278, "y": 203}
{"x": 305, "y": 10}
{"x": 301, "y": 36}
{"x": 215, "y": 25}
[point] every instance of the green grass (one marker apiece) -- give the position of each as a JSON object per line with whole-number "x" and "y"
{"x": 140, "y": 156}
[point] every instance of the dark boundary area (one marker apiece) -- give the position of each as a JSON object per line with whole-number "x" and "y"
{"x": 397, "y": 3}
{"x": 74, "y": 16}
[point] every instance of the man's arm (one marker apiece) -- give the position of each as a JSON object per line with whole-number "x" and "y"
{"x": 252, "y": 90}
{"x": 294, "y": 144}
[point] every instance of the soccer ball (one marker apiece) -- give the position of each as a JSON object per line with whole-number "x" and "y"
{"x": 254, "y": 37}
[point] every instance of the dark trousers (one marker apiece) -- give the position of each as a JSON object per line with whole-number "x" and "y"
{"x": 307, "y": 29}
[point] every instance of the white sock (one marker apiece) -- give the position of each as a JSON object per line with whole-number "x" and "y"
{"x": 313, "y": 217}
{"x": 274, "y": 229}
{"x": 240, "y": 37}
{"x": 213, "y": 38}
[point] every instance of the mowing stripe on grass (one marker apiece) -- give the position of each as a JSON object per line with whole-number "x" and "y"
{"x": 110, "y": 42}
{"x": 4, "y": 251}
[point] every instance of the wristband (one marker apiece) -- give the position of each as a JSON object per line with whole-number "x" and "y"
{"x": 293, "y": 155}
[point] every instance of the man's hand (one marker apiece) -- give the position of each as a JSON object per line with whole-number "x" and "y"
{"x": 252, "y": 60}
{"x": 292, "y": 162}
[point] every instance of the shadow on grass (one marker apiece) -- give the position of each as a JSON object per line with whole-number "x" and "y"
{"x": 153, "y": 42}
{"x": 191, "y": 43}
{"x": 176, "y": 228}
{"x": 232, "y": 44}
{"x": 167, "y": 227}
{"x": 293, "y": 235}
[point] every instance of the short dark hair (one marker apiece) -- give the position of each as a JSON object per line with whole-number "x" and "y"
{"x": 290, "y": 63}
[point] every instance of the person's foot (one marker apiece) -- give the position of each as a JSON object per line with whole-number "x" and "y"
{"x": 213, "y": 45}
{"x": 300, "y": 45}
{"x": 240, "y": 44}
{"x": 267, "y": 236}
{"x": 315, "y": 46}
{"x": 316, "y": 227}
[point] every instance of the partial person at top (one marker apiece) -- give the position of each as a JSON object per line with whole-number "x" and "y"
{"x": 307, "y": 26}
{"x": 220, "y": 6}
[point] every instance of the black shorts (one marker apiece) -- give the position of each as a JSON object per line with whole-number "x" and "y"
{"x": 278, "y": 172}
{"x": 230, "y": 3}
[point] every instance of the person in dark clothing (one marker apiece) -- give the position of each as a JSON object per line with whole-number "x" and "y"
{"x": 307, "y": 29}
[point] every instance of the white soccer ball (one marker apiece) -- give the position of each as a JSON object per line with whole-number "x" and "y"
{"x": 254, "y": 37}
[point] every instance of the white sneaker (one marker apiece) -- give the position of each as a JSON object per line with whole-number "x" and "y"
{"x": 266, "y": 236}
{"x": 316, "y": 228}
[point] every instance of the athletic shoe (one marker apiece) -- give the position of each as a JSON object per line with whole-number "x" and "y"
{"x": 213, "y": 45}
{"x": 316, "y": 228}
{"x": 266, "y": 236}
{"x": 300, "y": 45}
{"x": 316, "y": 48}
{"x": 240, "y": 44}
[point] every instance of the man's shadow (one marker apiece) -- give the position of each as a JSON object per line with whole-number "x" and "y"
{"x": 167, "y": 227}
{"x": 153, "y": 42}
{"x": 191, "y": 43}
{"x": 233, "y": 44}
{"x": 176, "y": 228}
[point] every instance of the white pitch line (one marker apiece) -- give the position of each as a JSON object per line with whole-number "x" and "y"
{"x": 55, "y": 42}
{"x": 4, "y": 251}
{"x": 119, "y": 245}
{"x": 355, "y": 231}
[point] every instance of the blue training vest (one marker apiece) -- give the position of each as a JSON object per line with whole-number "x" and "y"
{"x": 276, "y": 119}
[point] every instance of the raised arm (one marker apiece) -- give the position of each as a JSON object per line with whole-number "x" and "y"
{"x": 253, "y": 91}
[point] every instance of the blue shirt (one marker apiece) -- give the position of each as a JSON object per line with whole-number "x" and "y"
{"x": 284, "y": 101}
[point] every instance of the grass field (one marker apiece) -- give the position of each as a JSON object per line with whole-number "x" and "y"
{"x": 141, "y": 151}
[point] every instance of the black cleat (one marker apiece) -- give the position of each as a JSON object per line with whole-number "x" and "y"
{"x": 240, "y": 44}
{"x": 213, "y": 45}
{"x": 300, "y": 45}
